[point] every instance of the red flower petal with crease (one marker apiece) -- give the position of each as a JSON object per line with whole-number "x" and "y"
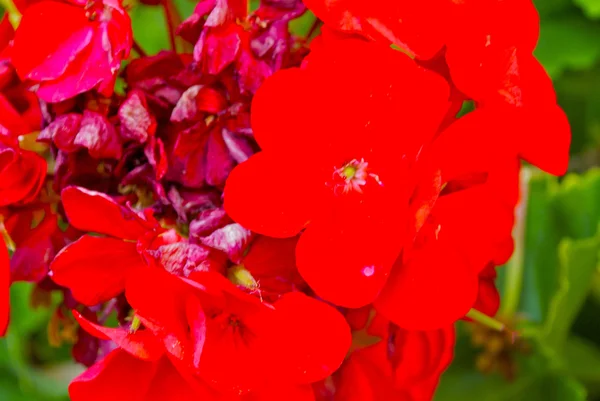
{"x": 141, "y": 343}
{"x": 168, "y": 308}
{"x": 108, "y": 216}
{"x": 96, "y": 269}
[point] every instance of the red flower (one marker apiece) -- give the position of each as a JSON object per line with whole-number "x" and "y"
{"x": 81, "y": 48}
{"x": 251, "y": 345}
{"x": 489, "y": 60}
{"x": 213, "y": 333}
{"x": 363, "y": 190}
{"x": 339, "y": 173}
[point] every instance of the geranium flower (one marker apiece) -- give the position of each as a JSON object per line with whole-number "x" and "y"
{"x": 391, "y": 208}
{"x": 82, "y": 49}
{"x": 297, "y": 340}
{"x": 340, "y": 173}
{"x": 241, "y": 346}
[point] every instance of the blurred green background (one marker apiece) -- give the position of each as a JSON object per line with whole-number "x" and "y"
{"x": 551, "y": 286}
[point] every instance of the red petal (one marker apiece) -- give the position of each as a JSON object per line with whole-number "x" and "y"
{"x": 545, "y": 137}
{"x": 420, "y": 356}
{"x": 434, "y": 288}
{"x": 488, "y": 299}
{"x": 21, "y": 177}
{"x": 96, "y": 212}
{"x": 347, "y": 254}
{"x": 142, "y": 343}
{"x": 272, "y": 263}
{"x": 176, "y": 315}
{"x": 170, "y": 385}
{"x": 282, "y": 391}
{"x": 95, "y": 269}
{"x": 412, "y": 25}
{"x": 119, "y": 376}
{"x": 316, "y": 338}
{"x": 263, "y": 197}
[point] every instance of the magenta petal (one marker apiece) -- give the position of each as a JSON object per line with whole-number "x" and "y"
{"x": 55, "y": 66}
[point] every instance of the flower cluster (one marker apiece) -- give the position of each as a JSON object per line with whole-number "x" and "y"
{"x": 261, "y": 216}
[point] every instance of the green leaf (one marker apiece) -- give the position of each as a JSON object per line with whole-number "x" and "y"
{"x": 582, "y": 360}
{"x": 579, "y": 95}
{"x": 578, "y": 264}
{"x": 546, "y": 7}
{"x": 467, "y": 385}
{"x": 577, "y": 204}
{"x": 571, "y": 42}
{"x": 149, "y": 28}
{"x": 541, "y": 241}
{"x": 590, "y": 7}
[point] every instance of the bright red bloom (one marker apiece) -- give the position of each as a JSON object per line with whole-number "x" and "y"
{"x": 251, "y": 345}
{"x": 337, "y": 173}
{"x": 82, "y": 46}
{"x": 489, "y": 61}
{"x": 370, "y": 175}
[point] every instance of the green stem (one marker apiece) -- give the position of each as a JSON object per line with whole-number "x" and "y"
{"x": 14, "y": 15}
{"x": 513, "y": 285}
{"x": 485, "y": 320}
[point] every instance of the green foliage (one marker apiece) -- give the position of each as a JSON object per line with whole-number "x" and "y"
{"x": 30, "y": 369}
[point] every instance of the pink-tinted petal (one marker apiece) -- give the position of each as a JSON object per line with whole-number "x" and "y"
{"x": 232, "y": 239}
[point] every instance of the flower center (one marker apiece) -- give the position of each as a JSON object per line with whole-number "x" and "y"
{"x": 353, "y": 176}
{"x": 349, "y": 172}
